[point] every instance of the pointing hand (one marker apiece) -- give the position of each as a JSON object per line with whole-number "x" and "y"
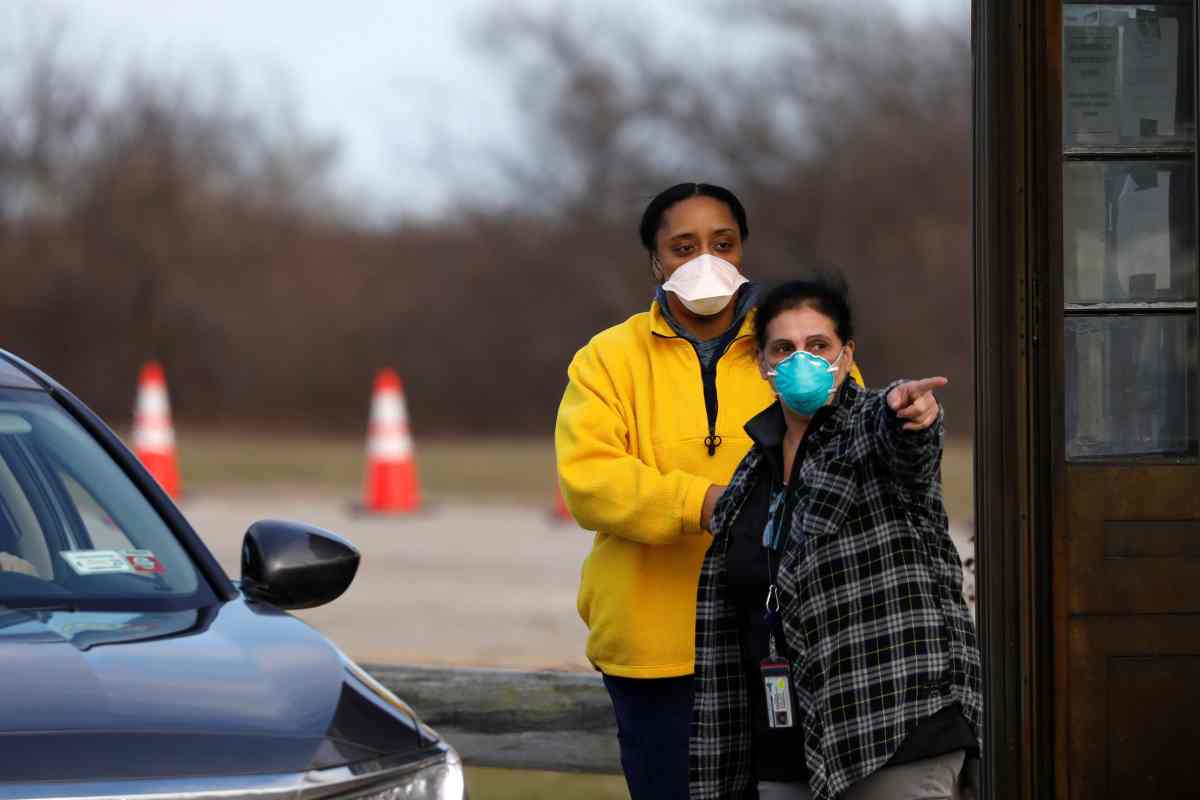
{"x": 914, "y": 401}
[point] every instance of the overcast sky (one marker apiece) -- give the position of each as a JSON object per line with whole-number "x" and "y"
{"x": 396, "y": 81}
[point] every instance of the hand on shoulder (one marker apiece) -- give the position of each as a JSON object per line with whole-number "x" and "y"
{"x": 710, "y": 504}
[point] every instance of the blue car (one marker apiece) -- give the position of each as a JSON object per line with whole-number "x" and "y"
{"x": 134, "y": 667}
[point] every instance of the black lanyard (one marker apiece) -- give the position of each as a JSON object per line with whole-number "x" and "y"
{"x": 772, "y": 536}
{"x": 772, "y": 542}
{"x": 773, "y": 531}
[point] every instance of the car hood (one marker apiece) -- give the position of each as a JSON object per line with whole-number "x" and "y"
{"x": 239, "y": 688}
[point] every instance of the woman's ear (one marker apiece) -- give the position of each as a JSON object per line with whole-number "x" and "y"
{"x": 762, "y": 365}
{"x": 656, "y": 268}
{"x": 847, "y": 366}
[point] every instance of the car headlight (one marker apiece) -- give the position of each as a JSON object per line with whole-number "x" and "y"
{"x": 442, "y": 781}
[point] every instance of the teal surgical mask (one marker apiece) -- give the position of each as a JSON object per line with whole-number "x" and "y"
{"x": 804, "y": 381}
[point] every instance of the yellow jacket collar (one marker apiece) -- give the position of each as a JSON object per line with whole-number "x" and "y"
{"x": 660, "y": 327}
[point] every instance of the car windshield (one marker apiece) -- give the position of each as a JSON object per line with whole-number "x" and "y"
{"x": 74, "y": 530}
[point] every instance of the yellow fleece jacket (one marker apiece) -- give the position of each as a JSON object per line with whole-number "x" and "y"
{"x": 634, "y": 468}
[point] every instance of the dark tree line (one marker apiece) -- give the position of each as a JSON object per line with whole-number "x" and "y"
{"x": 144, "y": 216}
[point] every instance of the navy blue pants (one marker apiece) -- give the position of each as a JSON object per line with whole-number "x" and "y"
{"x": 654, "y": 716}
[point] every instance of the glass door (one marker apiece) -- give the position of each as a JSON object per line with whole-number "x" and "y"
{"x": 1130, "y": 671}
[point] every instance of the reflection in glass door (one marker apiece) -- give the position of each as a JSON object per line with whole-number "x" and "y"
{"x": 1126, "y": 545}
{"x": 1129, "y": 232}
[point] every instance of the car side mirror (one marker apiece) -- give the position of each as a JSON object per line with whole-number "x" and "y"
{"x": 292, "y": 565}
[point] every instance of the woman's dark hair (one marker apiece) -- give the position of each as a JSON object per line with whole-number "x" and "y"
{"x": 827, "y": 293}
{"x": 652, "y": 216}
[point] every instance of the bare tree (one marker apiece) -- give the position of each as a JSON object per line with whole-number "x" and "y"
{"x": 143, "y": 214}
{"x": 846, "y": 135}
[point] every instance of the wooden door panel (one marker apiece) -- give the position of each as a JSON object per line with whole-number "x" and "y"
{"x": 1134, "y": 706}
{"x": 1133, "y": 539}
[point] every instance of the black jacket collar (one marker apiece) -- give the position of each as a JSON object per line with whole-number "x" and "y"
{"x": 767, "y": 428}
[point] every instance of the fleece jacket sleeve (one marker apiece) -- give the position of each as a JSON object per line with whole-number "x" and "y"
{"x": 606, "y": 488}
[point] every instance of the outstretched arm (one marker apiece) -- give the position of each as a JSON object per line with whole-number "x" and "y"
{"x": 909, "y": 429}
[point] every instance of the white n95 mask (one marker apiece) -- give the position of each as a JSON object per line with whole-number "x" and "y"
{"x": 705, "y": 285}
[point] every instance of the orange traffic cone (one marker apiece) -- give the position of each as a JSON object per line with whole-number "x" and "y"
{"x": 391, "y": 483}
{"x": 560, "y": 507}
{"x": 153, "y": 437}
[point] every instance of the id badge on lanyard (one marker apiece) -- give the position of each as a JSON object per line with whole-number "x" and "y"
{"x": 776, "y": 673}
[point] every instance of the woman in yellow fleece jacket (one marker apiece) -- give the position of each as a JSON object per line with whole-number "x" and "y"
{"x": 649, "y": 431}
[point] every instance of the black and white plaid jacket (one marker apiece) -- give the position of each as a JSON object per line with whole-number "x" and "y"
{"x": 870, "y": 589}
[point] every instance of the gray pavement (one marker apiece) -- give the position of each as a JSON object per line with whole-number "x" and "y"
{"x": 487, "y": 585}
{"x": 456, "y": 584}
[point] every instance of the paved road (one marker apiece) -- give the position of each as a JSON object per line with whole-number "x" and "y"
{"x": 488, "y": 585}
{"x": 484, "y": 585}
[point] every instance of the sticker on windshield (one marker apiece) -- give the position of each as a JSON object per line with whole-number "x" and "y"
{"x": 143, "y": 562}
{"x": 97, "y": 562}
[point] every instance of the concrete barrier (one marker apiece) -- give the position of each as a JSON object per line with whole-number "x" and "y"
{"x": 558, "y": 721}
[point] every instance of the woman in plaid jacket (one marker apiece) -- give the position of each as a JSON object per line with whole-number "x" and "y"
{"x": 835, "y": 655}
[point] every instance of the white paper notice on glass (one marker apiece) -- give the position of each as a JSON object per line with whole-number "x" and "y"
{"x": 1143, "y": 233}
{"x": 1091, "y": 76}
{"x": 1149, "y": 75}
